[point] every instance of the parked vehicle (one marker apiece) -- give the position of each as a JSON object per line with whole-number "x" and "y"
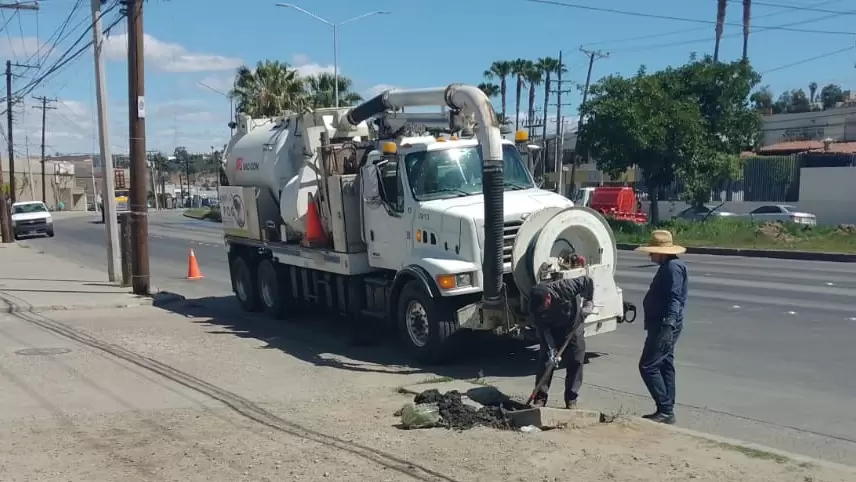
{"x": 620, "y": 203}
{"x": 702, "y": 213}
{"x": 31, "y": 218}
{"x": 782, "y": 212}
{"x": 432, "y": 232}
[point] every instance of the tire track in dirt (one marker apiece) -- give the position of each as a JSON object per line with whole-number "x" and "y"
{"x": 238, "y": 404}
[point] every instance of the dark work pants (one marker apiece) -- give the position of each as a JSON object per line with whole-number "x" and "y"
{"x": 657, "y": 368}
{"x": 572, "y": 359}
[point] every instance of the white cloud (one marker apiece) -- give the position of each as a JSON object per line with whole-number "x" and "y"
{"x": 168, "y": 56}
{"x": 21, "y": 48}
{"x": 72, "y": 127}
{"x": 305, "y": 67}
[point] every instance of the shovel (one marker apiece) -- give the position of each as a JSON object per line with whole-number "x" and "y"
{"x": 550, "y": 369}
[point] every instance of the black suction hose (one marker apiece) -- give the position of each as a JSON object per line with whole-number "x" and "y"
{"x": 368, "y": 109}
{"x": 494, "y": 191}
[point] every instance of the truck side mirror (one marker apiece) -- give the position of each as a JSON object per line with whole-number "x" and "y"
{"x": 369, "y": 184}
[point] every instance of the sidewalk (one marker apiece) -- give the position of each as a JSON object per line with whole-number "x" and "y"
{"x": 198, "y": 391}
{"x": 33, "y": 281}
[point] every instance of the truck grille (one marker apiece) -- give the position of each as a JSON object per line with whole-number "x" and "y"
{"x": 509, "y": 234}
{"x": 31, "y": 222}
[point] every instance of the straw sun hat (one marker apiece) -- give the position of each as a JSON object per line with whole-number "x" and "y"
{"x": 661, "y": 243}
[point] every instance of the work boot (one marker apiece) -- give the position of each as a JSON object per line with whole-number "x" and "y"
{"x": 589, "y": 308}
{"x": 570, "y": 405}
{"x": 651, "y": 415}
{"x": 668, "y": 419}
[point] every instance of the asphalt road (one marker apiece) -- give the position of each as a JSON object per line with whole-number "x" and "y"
{"x": 766, "y": 355}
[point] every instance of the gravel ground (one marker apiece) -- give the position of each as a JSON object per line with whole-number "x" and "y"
{"x": 147, "y": 395}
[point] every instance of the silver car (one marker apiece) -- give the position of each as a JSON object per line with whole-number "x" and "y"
{"x": 701, "y": 213}
{"x": 782, "y": 212}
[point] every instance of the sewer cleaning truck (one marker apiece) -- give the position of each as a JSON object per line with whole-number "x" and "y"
{"x": 427, "y": 221}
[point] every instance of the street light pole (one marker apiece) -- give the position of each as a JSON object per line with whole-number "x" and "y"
{"x": 335, "y": 27}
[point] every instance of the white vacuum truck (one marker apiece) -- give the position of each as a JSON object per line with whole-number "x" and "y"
{"x": 429, "y": 221}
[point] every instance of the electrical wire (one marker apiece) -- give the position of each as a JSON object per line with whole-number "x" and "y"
{"x": 810, "y": 59}
{"x": 682, "y": 19}
{"x": 800, "y": 8}
{"x": 645, "y": 48}
{"x": 699, "y": 29}
{"x": 70, "y": 54}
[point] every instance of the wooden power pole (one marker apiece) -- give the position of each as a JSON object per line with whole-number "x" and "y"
{"x": 137, "y": 141}
{"x": 592, "y": 56}
{"x": 44, "y": 107}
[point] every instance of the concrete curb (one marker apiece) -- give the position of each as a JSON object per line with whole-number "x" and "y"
{"x": 752, "y": 446}
{"x": 762, "y": 253}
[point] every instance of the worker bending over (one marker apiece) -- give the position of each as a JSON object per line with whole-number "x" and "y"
{"x": 558, "y": 309}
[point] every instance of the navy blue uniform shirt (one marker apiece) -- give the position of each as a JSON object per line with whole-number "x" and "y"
{"x": 667, "y": 297}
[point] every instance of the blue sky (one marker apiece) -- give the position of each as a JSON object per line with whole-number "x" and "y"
{"x": 420, "y": 44}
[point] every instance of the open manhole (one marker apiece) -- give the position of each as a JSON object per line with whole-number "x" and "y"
{"x": 42, "y": 351}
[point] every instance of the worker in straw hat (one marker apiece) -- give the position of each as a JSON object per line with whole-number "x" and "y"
{"x": 664, "y": 306}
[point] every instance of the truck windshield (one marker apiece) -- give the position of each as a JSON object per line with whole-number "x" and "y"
{"x": 457, "y": 172}
{"x": 29, "y": 208}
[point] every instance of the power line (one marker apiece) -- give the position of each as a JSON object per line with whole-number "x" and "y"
{"x": 699, "y": 29}
{"x": 681, "y": 19}
{"x": 810, "y": 59}
{"x": 645, "y": 48}
{"x": 801, "y": 8}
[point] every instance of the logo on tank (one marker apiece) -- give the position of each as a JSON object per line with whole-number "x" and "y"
{"x": 242, "y": 165}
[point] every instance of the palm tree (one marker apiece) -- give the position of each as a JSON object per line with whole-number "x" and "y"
{"x": 720, "y": 21}
{"x": 490, "y": 90}
{"x": 322, "y": 91}
{"x": 747, "y": 17}
{"x": 268, "y": 90}
{"x": 812, "y": 92}
{"x": 534, "y": 76}
{"x": 500, "y": 69}
{"x": 519, "y": 68}
{"x": 548, "y": 66}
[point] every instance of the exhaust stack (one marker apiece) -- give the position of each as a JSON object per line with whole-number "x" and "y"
{"x": 468, "y": 100}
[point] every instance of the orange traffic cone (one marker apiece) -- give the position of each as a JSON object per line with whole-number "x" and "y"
{"x": 315, "y": 235}
{"x": 193, "y": 267}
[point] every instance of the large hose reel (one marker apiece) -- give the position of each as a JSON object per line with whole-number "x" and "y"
{"x": 551, "y": 231}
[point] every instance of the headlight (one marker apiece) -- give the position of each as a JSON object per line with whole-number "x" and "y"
{"x": 452, "y": 281}
{"x": 48, "y": 220}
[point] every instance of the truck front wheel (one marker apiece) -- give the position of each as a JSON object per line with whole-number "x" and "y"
{"x": 245, "y": 284}
{"x": 425, "y": 326}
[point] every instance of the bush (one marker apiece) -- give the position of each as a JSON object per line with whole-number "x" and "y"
{"x": 213, "y": 215}
{"x": 743, "y": 233}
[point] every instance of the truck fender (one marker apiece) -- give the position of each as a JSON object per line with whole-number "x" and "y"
{"x": 409, "y": 273}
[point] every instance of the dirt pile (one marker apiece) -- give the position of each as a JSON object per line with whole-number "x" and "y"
{"x": 775, "y": 231}
{"x": 849, "y": 229}
{"x": 455, "y": 414}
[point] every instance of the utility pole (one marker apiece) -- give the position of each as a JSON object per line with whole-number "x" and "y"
{"x": 12, "y": 194}
{"x": 592, "y": 56}
{"x": 152, "y": 161}
{"x": 45, "y": 108}
{"x": 108, "y": 197}
{"x": 559, "y": 151}
{"x": 140, "y": 279}
{"x": 5, "y": 216}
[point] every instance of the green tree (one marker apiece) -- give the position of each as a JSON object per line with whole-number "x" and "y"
{"x": 548, "y": 66}
{"x": 501, "y": 69}
{"x": 321, "y": 89}
{"x": 534, "y": 76}
{"x": 762, "y": 99}
{"x": 812, "y": 92}
{"x": 640, "y": 122}
{"x": 268, "y": 90}
{"x": 799, "y": 101}
{"x": 830, "y": 95}
{"x": 490, "y": 90}
{"x": 519, "y": 68}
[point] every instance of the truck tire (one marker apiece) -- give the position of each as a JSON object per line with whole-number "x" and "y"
{"x": 271, "y": 294}
{"x": 424, "y": 325}
{"x": 246, "y": 290}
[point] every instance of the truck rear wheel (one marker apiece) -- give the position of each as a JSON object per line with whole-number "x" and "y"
{"x": 271, "y": 294}
{"x": 245, "y": 284}
{"x": 425, "y": 327}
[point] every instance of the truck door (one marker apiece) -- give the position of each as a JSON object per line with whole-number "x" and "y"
{"x": 384, "y": 223}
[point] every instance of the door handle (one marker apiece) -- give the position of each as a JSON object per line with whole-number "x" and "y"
{"x": 371, "y": 234}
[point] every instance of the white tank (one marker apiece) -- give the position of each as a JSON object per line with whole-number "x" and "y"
{"x": 281, "y": 155}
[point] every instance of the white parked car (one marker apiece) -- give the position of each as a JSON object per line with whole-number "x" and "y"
{"x": 31, "y": 218}
{"x": 782, "y": 212}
